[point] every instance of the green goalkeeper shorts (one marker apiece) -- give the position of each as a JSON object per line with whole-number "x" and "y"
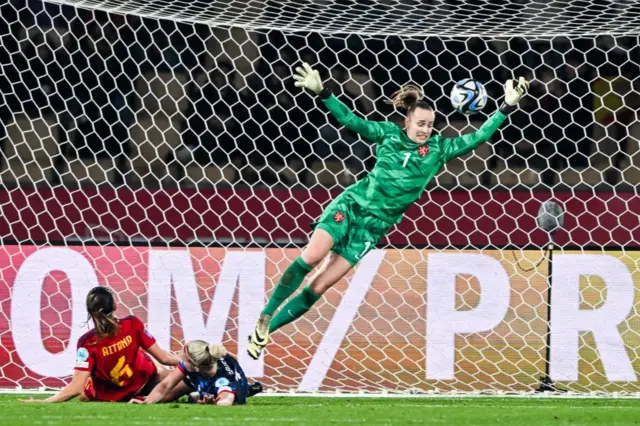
{"x": 354, "y": 230}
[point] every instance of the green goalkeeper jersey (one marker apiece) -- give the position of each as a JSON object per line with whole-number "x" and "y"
{"x": 404, "y": 167}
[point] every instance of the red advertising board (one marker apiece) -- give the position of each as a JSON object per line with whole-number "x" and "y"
{"x": 439, "y": 218}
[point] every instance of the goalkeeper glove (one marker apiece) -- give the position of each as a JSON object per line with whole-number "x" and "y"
{"x": 513, "y": 92}
{"x": 309, "y": 78}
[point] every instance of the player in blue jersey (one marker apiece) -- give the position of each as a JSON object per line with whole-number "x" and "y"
{"x": 208, "y": 374}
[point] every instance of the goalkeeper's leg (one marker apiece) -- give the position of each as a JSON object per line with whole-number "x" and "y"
{"x": 332, "y": 271}
{"x": 330, "y": 229}
{"x": 319, "y": 246}
{"x": 363, "y": 234}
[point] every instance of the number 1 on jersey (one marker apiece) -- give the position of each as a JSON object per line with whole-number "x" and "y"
{"x": 406, "y": 159}
{"x": 366, "y": 247}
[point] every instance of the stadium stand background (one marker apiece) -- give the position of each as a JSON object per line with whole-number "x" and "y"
{"x": 90, "y": 98}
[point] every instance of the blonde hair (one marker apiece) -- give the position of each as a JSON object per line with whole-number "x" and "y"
{"x": 409, "y": 98}
{"x": 202, "y": 353}
{"x": 100, "y": 307}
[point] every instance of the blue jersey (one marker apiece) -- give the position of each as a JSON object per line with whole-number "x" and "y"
{"x": 229, "y": 377}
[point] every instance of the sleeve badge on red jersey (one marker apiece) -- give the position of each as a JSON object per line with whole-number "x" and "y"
{"x": 83, "y": 355}
{"x": 81, "y": 358}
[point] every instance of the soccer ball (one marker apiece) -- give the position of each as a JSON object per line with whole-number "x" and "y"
{"x": 550, "y": 216}
{"x": 468, "y": 96}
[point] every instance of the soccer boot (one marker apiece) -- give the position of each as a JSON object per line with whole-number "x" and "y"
{"x": 255, "y": 388}
{"x": 260, "y": 337}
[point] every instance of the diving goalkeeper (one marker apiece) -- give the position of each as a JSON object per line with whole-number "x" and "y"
{"x": 354, "y": 222}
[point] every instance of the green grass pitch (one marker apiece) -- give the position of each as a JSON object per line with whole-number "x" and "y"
{"x": 266, "y": 411}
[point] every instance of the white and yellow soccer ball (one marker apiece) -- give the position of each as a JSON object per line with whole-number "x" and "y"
{"x": 468, "y": 96}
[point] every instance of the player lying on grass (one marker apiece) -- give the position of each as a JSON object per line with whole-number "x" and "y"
{"x": 208, "y": 374}
{"x": 112, "y": 361}
{"x": 353, "y": 223}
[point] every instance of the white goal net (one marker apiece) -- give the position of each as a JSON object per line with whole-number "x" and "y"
{"x": 161, "y": 149}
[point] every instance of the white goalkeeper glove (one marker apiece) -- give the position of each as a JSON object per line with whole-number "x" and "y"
{"x": 308, "y": 78}
{"x": 515, "y": 90}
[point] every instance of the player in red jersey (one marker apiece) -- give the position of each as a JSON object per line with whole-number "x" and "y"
{"x": 112, "y": 360}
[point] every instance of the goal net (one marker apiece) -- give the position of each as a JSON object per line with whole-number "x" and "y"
{"x": 160, "y": 148}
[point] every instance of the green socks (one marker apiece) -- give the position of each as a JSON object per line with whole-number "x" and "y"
{"x": 294, "y": 309}
{"x": 288, "y": 284}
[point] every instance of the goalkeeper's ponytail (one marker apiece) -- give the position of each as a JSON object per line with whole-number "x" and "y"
{"x": 204, "y": 354}
{"x": 101, "y": 305}
{"x": 409, "y": 98}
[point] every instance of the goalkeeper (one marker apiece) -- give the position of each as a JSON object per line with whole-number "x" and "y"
{"x": 354, "y": 222}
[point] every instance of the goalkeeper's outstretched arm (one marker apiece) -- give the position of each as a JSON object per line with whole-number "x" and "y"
{"x": 455, "y": 147}
{"x": 310, "y": 79}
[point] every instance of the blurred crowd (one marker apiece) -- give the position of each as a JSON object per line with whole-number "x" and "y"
{"x": 89, "y": 97}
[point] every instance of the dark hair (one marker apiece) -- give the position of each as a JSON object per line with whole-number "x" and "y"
{"x": 410, "y": 98}
{"x": 100, "y": 307}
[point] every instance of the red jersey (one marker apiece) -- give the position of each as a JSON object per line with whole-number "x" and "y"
{"x": 117, "y": 362}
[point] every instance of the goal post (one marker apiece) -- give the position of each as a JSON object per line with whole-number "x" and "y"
{"x": 160, "y": 148}
{"x": 467, "y": 18}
